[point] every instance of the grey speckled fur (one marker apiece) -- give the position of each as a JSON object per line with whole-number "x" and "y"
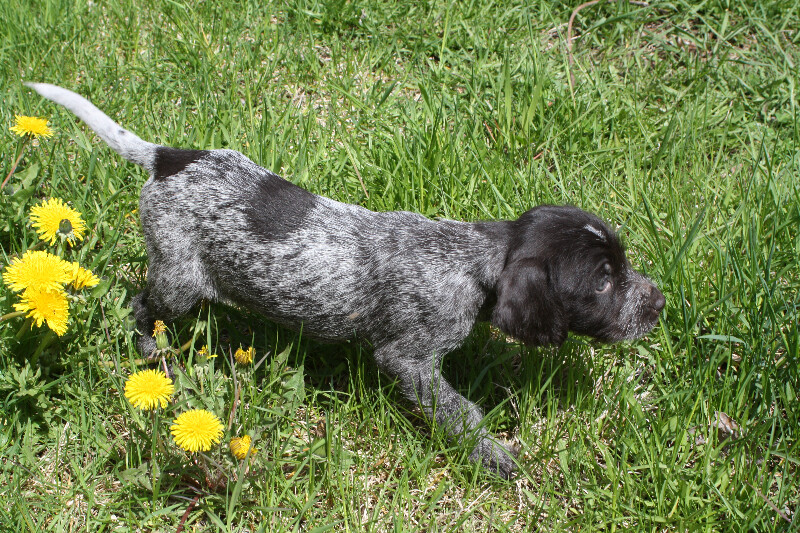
{"x": 219, "y": 227}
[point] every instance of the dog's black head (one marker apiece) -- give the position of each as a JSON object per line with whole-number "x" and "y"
{"x": 567, "y": 271}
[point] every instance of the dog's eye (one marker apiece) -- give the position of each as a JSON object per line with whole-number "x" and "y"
{"x": 604, "y": 285}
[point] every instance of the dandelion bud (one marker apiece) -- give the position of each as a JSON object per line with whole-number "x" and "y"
{"x": 160, "y": 334}
{"x": 204, "y": 355}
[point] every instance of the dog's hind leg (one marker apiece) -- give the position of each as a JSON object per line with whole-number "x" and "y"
{"x": 145, "y": 322}
{"x": 165, "y": 298}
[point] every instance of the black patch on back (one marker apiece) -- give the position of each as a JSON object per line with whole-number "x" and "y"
{"x": 170, "y": 161}
{"x": 277, "y": 207}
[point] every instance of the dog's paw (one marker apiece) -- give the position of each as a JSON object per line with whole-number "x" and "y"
{"x": 147, "y": 345}
{"x": 496, "y": 457}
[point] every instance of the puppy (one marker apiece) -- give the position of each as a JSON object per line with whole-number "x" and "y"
{"x": 219, "y": 227}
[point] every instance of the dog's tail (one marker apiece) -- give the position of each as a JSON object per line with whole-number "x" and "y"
{"x": 122, "y": 141}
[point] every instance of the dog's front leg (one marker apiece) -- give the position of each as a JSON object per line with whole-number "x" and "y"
{"x": 422, "y": 382}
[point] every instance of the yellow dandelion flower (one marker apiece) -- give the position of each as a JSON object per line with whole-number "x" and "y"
{"x": 38, "y": 270}
{"x": 196, "y": 430}
{"x": 159, "y": 328}
{"x": 82, "y": 277}
{"x": 47, "y": 306}
{"x": 148, "y": 389}
{"x": 32, "y": 126}
{"x": 240, "y": 445}
{"x": 245, "y": 357}
{"x": 54, "y": 217}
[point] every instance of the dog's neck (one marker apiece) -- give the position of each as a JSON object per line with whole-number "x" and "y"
{"x": 488, "y": 243}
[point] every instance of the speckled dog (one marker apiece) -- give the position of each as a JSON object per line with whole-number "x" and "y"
{"x": 218, "y": 227}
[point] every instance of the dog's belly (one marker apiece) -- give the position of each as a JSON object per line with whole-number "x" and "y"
{"x": 317, "y": 317}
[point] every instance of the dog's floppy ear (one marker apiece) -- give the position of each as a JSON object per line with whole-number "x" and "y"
{"x": 526, "y": 306}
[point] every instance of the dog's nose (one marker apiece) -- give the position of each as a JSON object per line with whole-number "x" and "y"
{"x": 657, "y": 300}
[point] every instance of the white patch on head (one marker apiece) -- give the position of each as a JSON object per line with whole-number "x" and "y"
{"x": 592, "y": 229}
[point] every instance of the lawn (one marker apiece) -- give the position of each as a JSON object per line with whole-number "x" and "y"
{"x": 677, "y": 122}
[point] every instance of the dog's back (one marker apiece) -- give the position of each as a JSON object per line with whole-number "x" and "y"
{"x": 233, "y": 231}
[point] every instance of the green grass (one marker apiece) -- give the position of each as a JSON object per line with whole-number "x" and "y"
{"x": 681, "y": 129}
